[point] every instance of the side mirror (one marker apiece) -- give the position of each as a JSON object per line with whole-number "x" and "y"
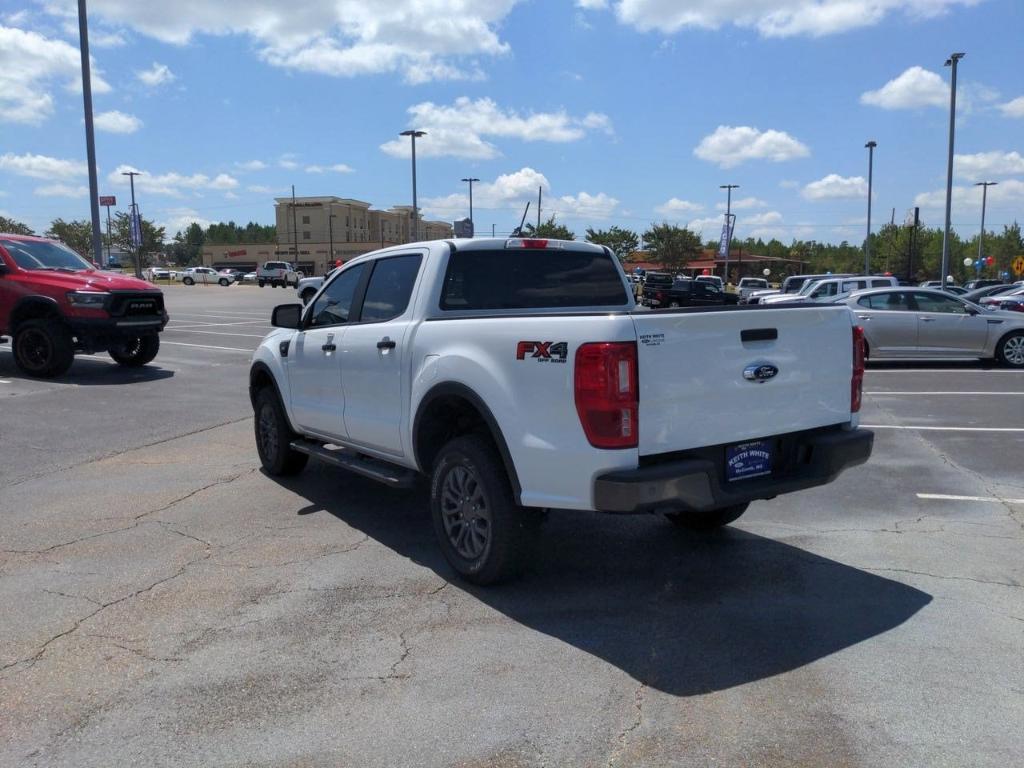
{"x": 286, "y": 316}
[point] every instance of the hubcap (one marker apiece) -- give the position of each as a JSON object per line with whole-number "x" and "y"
{"x": 34, "y": 349}
{"x": 268, "y": 431}
{"x": 1013, "y": 350}
{"x": 465, "y": 513}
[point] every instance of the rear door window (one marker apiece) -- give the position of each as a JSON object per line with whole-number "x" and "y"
{"x": 532, "y": 279}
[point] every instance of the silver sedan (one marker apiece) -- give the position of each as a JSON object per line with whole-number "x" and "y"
{"x": 929, "y": 323}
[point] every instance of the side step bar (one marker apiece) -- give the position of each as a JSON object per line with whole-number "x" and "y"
{"x": 381, "y": 471}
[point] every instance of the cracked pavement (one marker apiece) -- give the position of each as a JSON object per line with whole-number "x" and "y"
{"x": 165, "y": 603}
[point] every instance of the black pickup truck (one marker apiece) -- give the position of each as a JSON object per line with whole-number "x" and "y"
{"x": 684, "y": 293}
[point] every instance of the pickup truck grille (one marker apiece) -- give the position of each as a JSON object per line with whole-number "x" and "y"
{"x": 136, "y": 305}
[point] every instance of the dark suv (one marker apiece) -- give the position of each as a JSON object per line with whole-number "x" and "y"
{"x": 686, "y": 293}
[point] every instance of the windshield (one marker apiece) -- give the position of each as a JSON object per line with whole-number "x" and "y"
{"x": 30, "y": 254}
{"x": 808, "y": 287}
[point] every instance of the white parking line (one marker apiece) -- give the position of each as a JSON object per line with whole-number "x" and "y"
{"x": 206, "y": 346}
{"x": 248, "y": 318}
{"x": 196, "y": 324}
{"x": 949, "y": 497}
{"x": 901, "y": 394}
{"x": 216, "y": 333}
{"x": 944, "y": 429}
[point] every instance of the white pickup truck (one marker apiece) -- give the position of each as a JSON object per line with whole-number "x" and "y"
{"x": 277, "y": 273}
{"x": 519, "y": 376}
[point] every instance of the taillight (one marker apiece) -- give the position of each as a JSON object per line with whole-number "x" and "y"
{"x": 531, "y": 242}
{"x": 857, "y": 380}
{"x": 607, "y": 393}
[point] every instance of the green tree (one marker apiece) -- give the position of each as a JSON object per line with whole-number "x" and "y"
{"x": 549, "y": 229}
{"x": 152, "y": 239}
{"x": 230, "y": 233}
{"x": 186, "y": 247}
{"x": 672, "y": 246}
{"x": 622, "y": 241}
{"x": 12, "y": 227}
{"x": 76, "y": 235}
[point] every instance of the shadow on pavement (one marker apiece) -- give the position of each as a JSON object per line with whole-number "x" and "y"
{"x": 682, "y": 613}
{"x": 90, "y": 371}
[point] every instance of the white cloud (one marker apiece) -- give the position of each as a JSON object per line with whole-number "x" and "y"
{"x": 789, "y": 184}
{"x": 743, "y": 204}
{"x": 252, "y": 165}
{"x": 158, "y": 74}
{"x": 101, "y": 39}
{"x": 836, "y": 187}
{"x": 592, "y": 5}
{"x": 771, "y": 18}
{"x": 987, "y": 165}
{"x": 62, "y": 190}
{"x": 762, "y": 219}
{"x": 1013, "y": 108}
{"x": 336, "y": 168}
{"x": 916, "y": 87}
{"x": 707, "y": 226}
{"x": 263, "y": 189}
{"x": 437, "y": 40}
{"x": 171, "y": 184}
{"x": 29, "y": 65}
{"x": 510, "y": 191}
{"x": 117, "y": 122}
{"x": 674, "y": 206}
{"x": 583, "y": 205}
{"x": 1009, "y": 192}
{"x": 730, "y": 146}
{"x": 287, "y": 161}
{"x": 41, "y": 166}
{"x": 176, "y": 220}
{"x": 462, "y": 129}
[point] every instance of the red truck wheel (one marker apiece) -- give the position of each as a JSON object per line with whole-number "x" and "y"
{"x": 43, "y": 348}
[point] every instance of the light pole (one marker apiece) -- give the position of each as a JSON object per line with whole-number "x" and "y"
{"x": 984, "y": 198}
{"x": 415, "y": 208}
{"x": 90, "y": 139}
{"x": 330, "y": 230}
{"x": 950, "y": 62}
{"x": 134, "y": 223}
{"x": 870, "y": 146}
{"x": 728, "y": 223}
{"x": 471, "y": 225}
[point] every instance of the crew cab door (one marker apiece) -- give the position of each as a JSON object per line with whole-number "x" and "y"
{"x": 946, "y": 325}
{"x": 374, "y": 351}
{"x": 314, "y": 362}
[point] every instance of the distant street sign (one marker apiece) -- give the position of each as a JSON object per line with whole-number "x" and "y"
{"x": 108, "y": 200}
{"x": 1018, "y": 265}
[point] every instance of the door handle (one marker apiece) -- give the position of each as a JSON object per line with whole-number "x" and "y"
{"x": 927, "y": 319}
{"x": 863, "y": 317}
{"x": 328, "y": 348}
{"x": 385, "y": 343}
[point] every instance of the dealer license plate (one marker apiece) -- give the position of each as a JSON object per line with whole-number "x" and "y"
{"x": 745, "y": 460}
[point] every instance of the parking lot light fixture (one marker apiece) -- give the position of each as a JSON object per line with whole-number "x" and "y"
{"x": 951, "y": 62}
{"x": 413, "y": 134}
{"x": 728, "y": 223}
{"x": 471, "y": 180}
{"x": 870, "y": 146}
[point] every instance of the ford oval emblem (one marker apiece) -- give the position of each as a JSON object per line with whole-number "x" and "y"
{"x": 760, "y": 372}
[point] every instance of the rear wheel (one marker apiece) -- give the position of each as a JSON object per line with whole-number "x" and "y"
{"x": 1010, "y": 351}
{"x": 710, "y": 520}
{"x": 188, "y": 281}
{"x": 223, "y": 281}
{"x": 261, "y": 283}
{"x": 43, "y": 348}
{"x": 274, "y": 436}
{"x": 137, "y": 351}
{"x": 484, "y": 535}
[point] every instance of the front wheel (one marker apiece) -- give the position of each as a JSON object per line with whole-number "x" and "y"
{"x": 137, "y": 351}
{"x": 1010, "y": 351}
{"x": 188, "y": 281}
{"x": 223, "y": 281}
{"x": 484, "y": 535}
{"x": 43, "y": 348}
{"x": 710, "y": 520}
{"x": 274, "y": 437}
{"x": 261, "y": 283}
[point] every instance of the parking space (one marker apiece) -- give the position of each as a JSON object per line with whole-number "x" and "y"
{"x": 179, "y": 607}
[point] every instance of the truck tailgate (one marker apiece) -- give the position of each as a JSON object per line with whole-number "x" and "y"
{"x": 693, "y": 392}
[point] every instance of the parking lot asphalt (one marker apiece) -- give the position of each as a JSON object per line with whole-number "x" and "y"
{"x": 166, "y": 603}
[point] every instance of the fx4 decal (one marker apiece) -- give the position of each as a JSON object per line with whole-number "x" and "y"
{"x": 543, "y": 351}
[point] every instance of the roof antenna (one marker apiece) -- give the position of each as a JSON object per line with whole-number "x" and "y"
{"x": 518, "y": 231}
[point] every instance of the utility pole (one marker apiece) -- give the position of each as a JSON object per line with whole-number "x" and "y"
{"x": 728, "y": 224}
{"x": 984, "y": 198}
{"x": 134, "y": 224}
{"x": 330, "y": 230}
{"x": 492, "y": 230}
{"x": 913, "y": 245}
{"x": 950, "y": 62}
{"x": 107, "y": 262}
{"x": 90, "y": 138}
{"x": 540, "y": 197}
{"x": 471, "y": 224}
{"x": 412, "y": 134}
{"x": 870, "y": 146}
{"x": 382, "y": 233}
{"x": 295, "y": 229}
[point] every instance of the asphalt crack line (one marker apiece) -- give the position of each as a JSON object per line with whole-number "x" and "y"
{"x": 940, "y": 576}
{"x": 638, "y": 716}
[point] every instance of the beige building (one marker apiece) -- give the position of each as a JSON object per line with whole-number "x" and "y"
{"x": 326, "y": 230}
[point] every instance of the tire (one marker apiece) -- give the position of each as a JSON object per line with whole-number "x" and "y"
{"x": 138, "y": 351}
{"x": 673, "y": 304}
{"x": 274, "y": 436}
{"x": 261, "y": 283}
{"x": 1010, "y": 351}
{"x": 43, "y": 348}
{"x": 707, "y": 521}
{"x": 224, "y": 281}
{"x": 469, "y": 480}
{"x": 306, "y": 296}
{"x": 188, "y": 281}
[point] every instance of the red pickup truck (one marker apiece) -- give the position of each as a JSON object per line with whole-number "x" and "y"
{"x": 54, "y": 303}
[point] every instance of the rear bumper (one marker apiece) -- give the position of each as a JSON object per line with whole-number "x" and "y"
{"x": 698, "y": 484}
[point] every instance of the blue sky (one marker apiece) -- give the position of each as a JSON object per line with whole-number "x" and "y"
{"x": 625, "y": 111}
